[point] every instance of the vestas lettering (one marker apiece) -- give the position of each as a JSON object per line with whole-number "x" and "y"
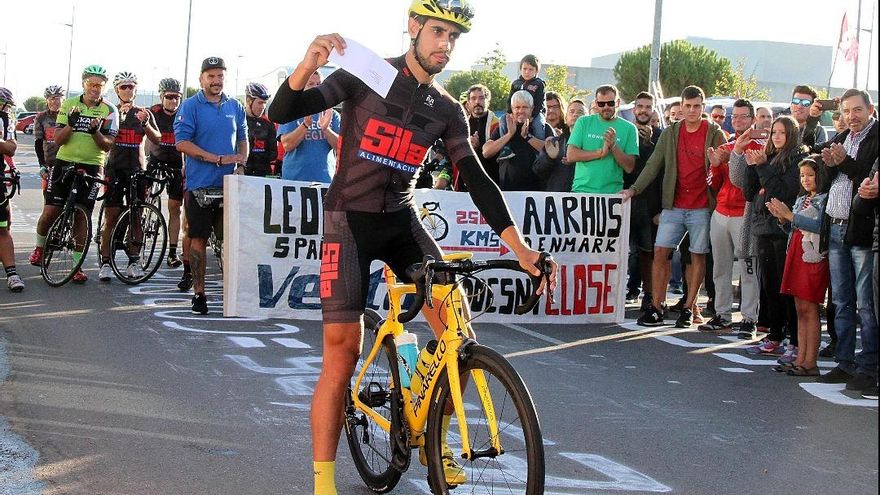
{"x": 391, "y": 142}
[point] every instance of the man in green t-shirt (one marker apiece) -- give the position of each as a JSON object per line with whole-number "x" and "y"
{"x": 602, "y": 146}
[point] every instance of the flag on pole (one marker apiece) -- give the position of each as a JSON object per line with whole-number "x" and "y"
{"x": 847, "y": 42}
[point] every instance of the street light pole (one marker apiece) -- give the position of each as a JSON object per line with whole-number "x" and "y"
{"x": 186, "y": 62}
{"x": 237, "y": 68}
{"x": 70, "y": 49}
{"x": 654, "y": 73}
{"x": 5, "y": 48}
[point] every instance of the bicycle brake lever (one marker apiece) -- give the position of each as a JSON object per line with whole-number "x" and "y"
{"x": 429, "y": 282}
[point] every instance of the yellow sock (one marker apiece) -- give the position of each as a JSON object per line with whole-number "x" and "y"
{"x": 444, "y": 429}
{"x": 325, "y": 478}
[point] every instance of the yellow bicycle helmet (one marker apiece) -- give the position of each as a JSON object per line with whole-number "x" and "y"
{"x": 458, "y": 12}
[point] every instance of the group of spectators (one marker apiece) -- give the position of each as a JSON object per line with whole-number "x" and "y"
{"x": 796, "y": 213}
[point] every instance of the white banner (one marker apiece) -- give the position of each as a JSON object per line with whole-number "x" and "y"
{"x": 273, "y": 245}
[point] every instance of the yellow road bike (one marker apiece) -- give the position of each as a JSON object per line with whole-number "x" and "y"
{"x": 494, "y": 430}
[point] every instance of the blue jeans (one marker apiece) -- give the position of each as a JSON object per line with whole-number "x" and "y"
{"x": 852, "y": 289}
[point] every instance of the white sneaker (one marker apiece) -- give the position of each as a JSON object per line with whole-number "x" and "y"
{"x": 134, "y": 270}
{"x": 105, "y": 273}
{"x": 14, "y": 283}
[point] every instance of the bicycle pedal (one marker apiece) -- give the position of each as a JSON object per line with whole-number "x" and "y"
{"x": 374, "y": 395}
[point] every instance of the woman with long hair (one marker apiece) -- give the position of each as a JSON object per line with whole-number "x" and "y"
{"x": 772, "y": 173}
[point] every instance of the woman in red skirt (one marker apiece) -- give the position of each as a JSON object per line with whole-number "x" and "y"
{"x": 806, "y": 274}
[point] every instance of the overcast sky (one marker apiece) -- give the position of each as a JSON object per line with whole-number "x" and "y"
{"x": 257, "y": 36}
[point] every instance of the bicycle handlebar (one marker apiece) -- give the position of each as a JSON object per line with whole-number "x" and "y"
{"x": 13, "y": 178}
{"x": 423, "y": 273}
{"x": 87, "y": 177}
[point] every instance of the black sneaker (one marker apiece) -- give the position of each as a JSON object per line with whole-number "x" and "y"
{"x": 709, "y": 310}
{"x": 870, "y": 392}
{"x": 860, "y": 382}
{"x": 186, "y": 282}
{"x": 685, "y": 318}
{"x": 199, "y": 304}
{"x": 748, "y": 330}
{"x": 632, "y": 296}
{"x": 829, "y": 350}
{"x": 717, "y": 324}
{"x": 651, "y": 318}
{"x": 677, "y": 307}
{"x": 174, "y": 261}
{"x": 647, "y": 303}
{"x": 836, "y": 375}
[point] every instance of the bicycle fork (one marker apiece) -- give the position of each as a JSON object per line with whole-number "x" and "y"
{"x": 482, "y": 387}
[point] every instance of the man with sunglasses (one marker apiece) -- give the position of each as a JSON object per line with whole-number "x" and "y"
{"x": 87, "y": 126}
{"x": 603, "y": 145}
{"x": 165, "y": 153}
{"x": 802, "y": 97}
{"x": 368, "y": 210}
{"x": 126, "y": 157}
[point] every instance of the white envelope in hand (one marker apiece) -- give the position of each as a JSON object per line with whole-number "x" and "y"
{"x": 366, "y": 65}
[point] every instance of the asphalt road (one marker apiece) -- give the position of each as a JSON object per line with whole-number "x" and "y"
{"x": 111, "y": 389}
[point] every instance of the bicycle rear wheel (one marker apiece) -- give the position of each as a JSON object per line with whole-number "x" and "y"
{"x": 380, "y": 456}
{"x": 138, "y": 240}
{"x": 67, "y": 243}
{"x": 519, "y": 468}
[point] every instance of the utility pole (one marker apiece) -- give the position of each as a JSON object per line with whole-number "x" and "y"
{"x": 654, "y": 74}
{"x": 70, "y": 48}
{"x": 858, "y": 49}
{"x": 186, "y": 62}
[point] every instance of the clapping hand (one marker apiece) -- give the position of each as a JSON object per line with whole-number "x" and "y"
{"x": 868, "y": 188}
{"x": 307, "y": 121}
{"x": 756, "y": 157}
{"x": 834, "y": 155}
{"x": 524, "y": 132}
{"x": 324, "y": 119}
{"x": 717, "y": 156}
{"x": 610, "y": 137}
{"x": 551, "y": 146}
{"x": 779, "y": 209}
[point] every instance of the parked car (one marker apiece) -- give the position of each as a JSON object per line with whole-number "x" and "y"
{"x": 25, "y": 122}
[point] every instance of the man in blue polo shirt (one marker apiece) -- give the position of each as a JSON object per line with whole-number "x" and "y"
{"x": 211, "y": 131}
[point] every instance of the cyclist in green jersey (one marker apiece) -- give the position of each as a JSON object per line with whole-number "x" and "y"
{"x": 86, "y": 129}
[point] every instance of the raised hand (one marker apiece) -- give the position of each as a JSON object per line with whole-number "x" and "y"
{"x": 318, "y": 52}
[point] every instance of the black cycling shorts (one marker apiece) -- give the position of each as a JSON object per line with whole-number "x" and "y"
{"x": 120, "y": 183}
{"x": 201, "y": 220}
{"x": 174, "y": 186}
{"x": 352, "y": 241}
{"x": 57, "y": 189}
{"x": 4, "y": 209}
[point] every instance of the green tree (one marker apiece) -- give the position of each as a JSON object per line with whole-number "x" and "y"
{"x": 190, "y": 91}
{"x": 557, "y": 80}
{"x": 737, "y": 85}
{"x": 497, "y": 83}
{"x": 681, "y": 64}
{"x": 494, "y": 60}
{"x": 35, "y": 104}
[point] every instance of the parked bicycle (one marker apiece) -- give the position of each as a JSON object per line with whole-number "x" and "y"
{"x": 69, "y": 236}
{"x": 494, "y": 429}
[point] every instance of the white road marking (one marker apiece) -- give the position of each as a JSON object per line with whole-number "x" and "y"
{"x": 833, "y": 392}
{"x": 247, "y": 342}
{"x": 532, "y": 333}
{"x": 177, "y": 326}
{"x": 292, "y": 343}
{"x": 736, "y": 370}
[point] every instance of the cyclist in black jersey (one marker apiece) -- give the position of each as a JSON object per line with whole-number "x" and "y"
{"x": 166, "y": 153}
{"x": 126, "y": 157}
{"x": 369, "y": 212}
{"x": 261, "y": 132}
{"x": 8, "y": 146}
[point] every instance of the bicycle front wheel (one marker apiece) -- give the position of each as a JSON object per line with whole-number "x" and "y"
{"x": 518, "y": 468}
{"x": 67, "y": 243}
{"x": 380, "y": 456}
{"x": 138, "y": 243}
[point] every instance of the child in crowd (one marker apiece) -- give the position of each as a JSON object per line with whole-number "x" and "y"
{"x": 806, "y": 274}
{"x": 528, "y": 80}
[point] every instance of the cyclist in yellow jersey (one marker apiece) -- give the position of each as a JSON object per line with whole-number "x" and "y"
{"x": 86, "y": 129}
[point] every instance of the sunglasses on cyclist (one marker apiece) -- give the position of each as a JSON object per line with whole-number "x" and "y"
{"x": 609, "y": 103}
{"x": 718, "y": 117}
{"x": 457, "y": 6}
{"x": 804, "y": 102}
{"x": 126, "y": 86}
{"x": 171, "y": 97}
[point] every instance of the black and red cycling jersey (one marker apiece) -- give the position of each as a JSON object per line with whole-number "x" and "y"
{"x": 165, "y": 152}
{"x": 383, "y": 141}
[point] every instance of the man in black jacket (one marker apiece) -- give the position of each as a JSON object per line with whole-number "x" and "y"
{"x": 849, "y": 158}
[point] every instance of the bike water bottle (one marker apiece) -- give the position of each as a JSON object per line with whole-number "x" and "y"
{"x": 426, "y": 360}
{"x": 407, "y": 354}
